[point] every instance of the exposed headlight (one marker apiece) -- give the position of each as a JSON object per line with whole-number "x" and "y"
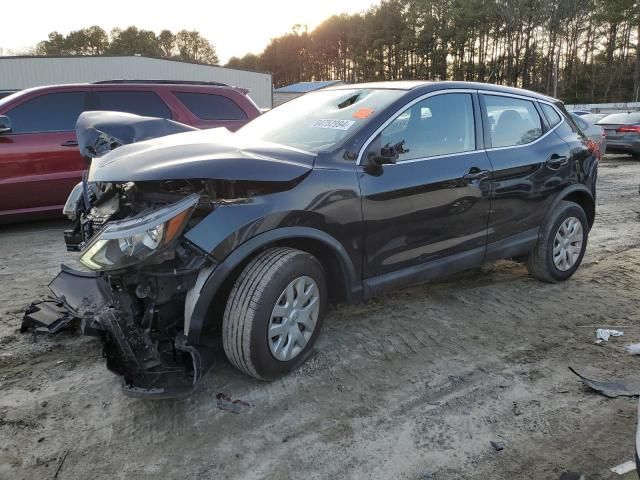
{"x": 127, "y": 242}
{"x": 71, "y": 205}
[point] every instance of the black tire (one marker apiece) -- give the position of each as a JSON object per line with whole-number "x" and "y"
{"x": 540, "y": 262}
{"x": 247, "y": 315}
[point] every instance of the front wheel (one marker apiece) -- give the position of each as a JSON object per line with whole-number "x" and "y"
{"x": 274, "y": 312}
{"x": 561, "y": 244}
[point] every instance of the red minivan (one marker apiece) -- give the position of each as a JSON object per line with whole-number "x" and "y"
{"x": 39, "y": 158}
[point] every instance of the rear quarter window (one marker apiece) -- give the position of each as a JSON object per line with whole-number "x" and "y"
{"x": 208, "y": 106}
{"x": 553, "y": 117}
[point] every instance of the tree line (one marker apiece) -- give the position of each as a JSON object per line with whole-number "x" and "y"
{"x": 583, "y": 51}
{"x": 188, "y": 45}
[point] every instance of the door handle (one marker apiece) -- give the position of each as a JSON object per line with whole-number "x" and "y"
{"x": 69, "y": 143}
{"x": 556, "y": 161}
{"x": 476, "y": 174}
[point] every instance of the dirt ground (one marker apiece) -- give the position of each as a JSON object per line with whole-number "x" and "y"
{"x": 410, "y": 385}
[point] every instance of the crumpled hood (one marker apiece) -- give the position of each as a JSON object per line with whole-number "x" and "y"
{"x": 203, "y": 154}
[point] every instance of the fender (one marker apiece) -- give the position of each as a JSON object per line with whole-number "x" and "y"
{"x": 575, "y": 188}
{"x": 196, "y": 321}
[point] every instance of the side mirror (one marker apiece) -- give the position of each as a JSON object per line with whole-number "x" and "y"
{"x": 5, "y": 124}
{"x": 389, "y": 154}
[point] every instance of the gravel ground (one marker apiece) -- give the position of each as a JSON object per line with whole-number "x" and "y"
{"x": 410, "y": 385}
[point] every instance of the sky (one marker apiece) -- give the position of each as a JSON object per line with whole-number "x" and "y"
{"x": 235, "y": 27}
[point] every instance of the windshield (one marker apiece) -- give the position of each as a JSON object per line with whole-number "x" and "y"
{"x": 621, "y": 118}
{"x": 317, "y": 121}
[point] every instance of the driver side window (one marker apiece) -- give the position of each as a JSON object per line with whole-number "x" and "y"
{"x": 438, "y": 125}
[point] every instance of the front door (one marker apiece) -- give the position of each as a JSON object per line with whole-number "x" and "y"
{"x": 430, "y": 208}
{"x": 39, "y": 160}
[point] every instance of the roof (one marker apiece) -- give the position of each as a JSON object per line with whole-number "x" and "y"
{"x": 306, "y": 87}
{"x": 444, "y": 84}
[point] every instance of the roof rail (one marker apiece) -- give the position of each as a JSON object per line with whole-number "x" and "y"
{"x": 163, "y": 82}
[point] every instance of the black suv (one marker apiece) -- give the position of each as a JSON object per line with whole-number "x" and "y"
{"x": 336, "y": 196}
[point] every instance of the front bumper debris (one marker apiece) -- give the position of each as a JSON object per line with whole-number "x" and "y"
{"x": 150, "y": 365}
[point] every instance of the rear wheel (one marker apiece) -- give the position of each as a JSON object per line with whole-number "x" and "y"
{"x": 274, "y": 313}
{"x": 561, "y": 244}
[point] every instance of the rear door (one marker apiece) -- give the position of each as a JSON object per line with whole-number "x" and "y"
{"x": 530, "y": 164}
{"x": 39, "y": 160}
{"x": 212, "y": 110}
{"x": 433, "y": 204}
{"x": 136, "y": 101}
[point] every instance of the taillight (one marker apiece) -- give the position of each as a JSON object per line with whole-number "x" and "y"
{"x": 594, "y": 147}
{"x": 629, "y": 129}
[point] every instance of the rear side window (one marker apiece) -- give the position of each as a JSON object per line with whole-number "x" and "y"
{"x": 512, "y": 121}
{"x": 147, "y": 104}
{"x": 53, "y": 112}
{"x": 438, "y": 125}
{"x": 581, "y": 123}
{"x": 211, "y": 107}
{"x": 553, "y": 117}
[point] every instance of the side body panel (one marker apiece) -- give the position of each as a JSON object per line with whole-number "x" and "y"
{"x": 37, "y": 170}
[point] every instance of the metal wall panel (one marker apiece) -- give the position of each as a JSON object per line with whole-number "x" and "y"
{"x": 24, "y": 72}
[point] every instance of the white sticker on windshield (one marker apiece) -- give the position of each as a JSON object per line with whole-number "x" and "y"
{"x": 333, "y": 124}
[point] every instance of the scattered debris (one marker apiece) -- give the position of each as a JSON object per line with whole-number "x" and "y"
{"x": 628, "y": 387}
{"x": 516, "y": 410}
{"x": 48, "y": 316}
{"x": 572, "y": 476}
{"x": 633, "y": 349}
{"x": 603, "y": 334}
{"x": 625, "y": 467}
{"x": 497, "y": 446}
{"x": 224, "y": 402}
{"x": 61, "y": 462}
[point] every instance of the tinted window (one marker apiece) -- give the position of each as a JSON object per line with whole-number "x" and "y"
{"x": 553, "y": 117}
{"x": 437, "y": 125}
{"x": 512, "y": 121}
{"x": 147, "y": 104}
{"x": 581, "y": 123}
{"x": 53, "y": 112}
{"x": 211, "y": 107}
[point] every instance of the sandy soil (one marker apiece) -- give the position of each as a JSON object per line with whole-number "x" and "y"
{"x": 411, "y": 385}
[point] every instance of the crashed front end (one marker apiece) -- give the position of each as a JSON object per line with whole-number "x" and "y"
{"x": 139, "y": 269}
{"x": 147, "y": 218}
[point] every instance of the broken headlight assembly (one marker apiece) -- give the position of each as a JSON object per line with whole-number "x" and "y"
{"x": 123, "y": 243}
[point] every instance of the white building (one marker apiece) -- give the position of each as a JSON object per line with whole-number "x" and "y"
{"x": 17, "y": 73}
{"x": 284, "y": 94}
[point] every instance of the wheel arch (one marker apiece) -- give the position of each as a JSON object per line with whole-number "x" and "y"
{"x": 342, "y": 279}
{"x": 583, "y": 197}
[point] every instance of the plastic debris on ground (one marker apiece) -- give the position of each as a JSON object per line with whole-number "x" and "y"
{"x": 633, "y": 349}
{"x": 626, "y": 387}
{"x": 625, "y": 467}
{"x": 497, "y": 446}
{"x": 603, "y": 334}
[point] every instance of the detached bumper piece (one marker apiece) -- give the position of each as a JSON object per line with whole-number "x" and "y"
{"x": 47, "y": 315}
{"x": 152, "y": 364}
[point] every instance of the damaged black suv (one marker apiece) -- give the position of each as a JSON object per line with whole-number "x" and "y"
{"x": 336, "y": 196}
